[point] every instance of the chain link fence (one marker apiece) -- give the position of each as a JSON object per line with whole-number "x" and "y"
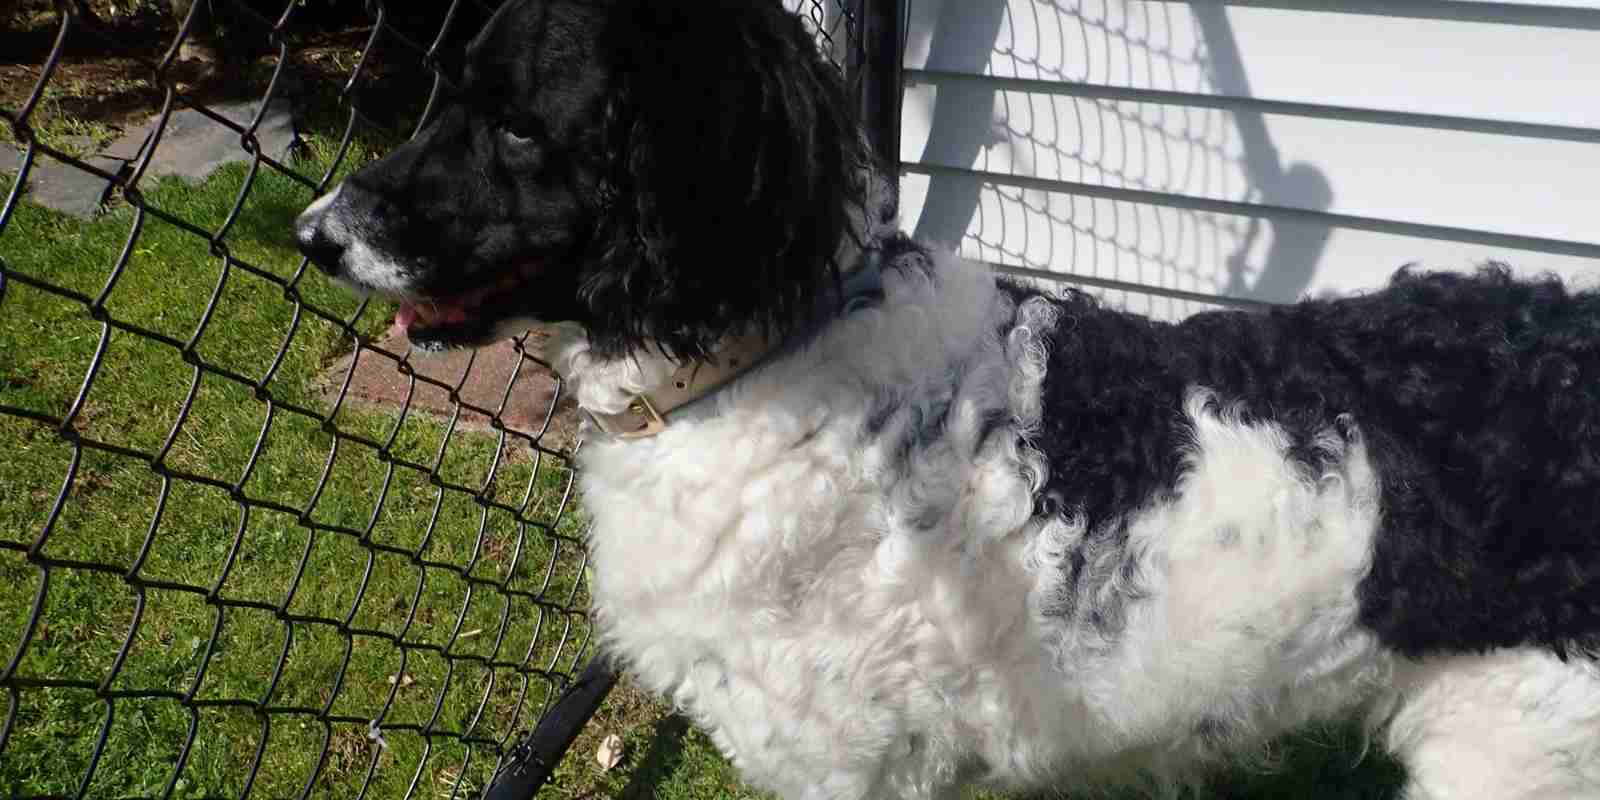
{"x": 227, "y": 568}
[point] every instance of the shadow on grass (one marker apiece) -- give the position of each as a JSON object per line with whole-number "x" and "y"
{"x": 270, "y": 221}
{"x": 1325, "y": 763}
{"x": 660, "y": 761}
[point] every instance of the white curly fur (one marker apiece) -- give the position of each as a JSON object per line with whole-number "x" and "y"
{"x": 848, "y": 622}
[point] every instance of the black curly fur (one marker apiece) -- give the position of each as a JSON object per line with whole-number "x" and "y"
{"x": 737, "y": 169}
{"x": 661, "y": 171}
{"x": 1478, "y": 397}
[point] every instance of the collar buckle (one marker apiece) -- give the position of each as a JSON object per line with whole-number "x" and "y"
{"x": 641, "y": 420}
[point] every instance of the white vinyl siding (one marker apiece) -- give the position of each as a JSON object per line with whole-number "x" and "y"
{"x": 1259, "y": 150}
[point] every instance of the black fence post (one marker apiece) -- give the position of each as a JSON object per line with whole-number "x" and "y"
{"x": 880, "y": 24}
{"x": 530, "y": 765}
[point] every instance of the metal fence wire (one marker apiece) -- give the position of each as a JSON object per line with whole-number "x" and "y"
{"x": 224, "y": 572}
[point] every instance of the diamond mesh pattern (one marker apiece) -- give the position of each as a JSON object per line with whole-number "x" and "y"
{"x": 378, "y": 614}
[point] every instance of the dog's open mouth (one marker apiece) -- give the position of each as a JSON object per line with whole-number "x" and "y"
{"x": 465, "y": 319}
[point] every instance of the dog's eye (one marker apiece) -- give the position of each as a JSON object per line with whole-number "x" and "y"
{"x": 518, "y": 133}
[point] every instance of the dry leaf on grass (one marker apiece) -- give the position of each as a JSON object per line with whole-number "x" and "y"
{"x": 403, "y": 678}
{"x": 610, "y": 753}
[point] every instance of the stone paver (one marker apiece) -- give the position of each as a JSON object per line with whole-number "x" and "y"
{"x": 379, "y": 385}
{"x": 64, "y": 187}
{"x": 192, "y": 145}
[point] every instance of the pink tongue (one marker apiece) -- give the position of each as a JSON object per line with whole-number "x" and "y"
{"x": 445, "y": 314}
{"x": 405, "y": 315}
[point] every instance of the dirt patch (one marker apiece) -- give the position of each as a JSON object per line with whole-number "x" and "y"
{"x": 110, "y": 73}
{"x": 101, "y": 80}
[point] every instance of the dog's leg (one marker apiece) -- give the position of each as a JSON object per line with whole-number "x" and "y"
{"x": 1510, "y": 725}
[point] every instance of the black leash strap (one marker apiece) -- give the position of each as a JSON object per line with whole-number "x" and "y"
{"x": 529, "y": 765}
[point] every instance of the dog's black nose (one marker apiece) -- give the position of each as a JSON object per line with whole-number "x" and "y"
{"x": 315, "y": 243}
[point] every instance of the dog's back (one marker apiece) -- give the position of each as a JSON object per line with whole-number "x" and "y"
{"x": 1476, "y": 398}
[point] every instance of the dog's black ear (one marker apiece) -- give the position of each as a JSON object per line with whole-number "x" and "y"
{"x": 737, "y": 170}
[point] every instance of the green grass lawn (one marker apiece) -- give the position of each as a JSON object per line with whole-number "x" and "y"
{"x": 233, "y": 533}
{"x": 273, "y": 536}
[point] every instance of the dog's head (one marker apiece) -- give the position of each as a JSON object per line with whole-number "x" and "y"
{"x": 663, "y": 172}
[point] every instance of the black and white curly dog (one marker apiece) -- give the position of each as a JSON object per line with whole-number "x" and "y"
{"x": 884, "y": 525}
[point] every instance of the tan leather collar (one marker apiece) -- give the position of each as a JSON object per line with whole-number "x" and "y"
{"x": 646, "y": 415}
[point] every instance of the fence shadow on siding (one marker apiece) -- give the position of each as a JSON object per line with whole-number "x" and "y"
{"x": 1175, "y": 47}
